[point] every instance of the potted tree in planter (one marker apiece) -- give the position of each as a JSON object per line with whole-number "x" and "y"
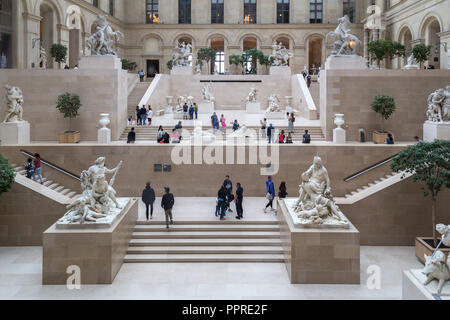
{"x": 68, "y": 104}
{"x": 7, "y": 175}
{"x": 207, "y": 55}
{"x": 59, "y": 53}
{"x": 421, "y": 52}
{"x": 429, "y": 162}
{"x": 385, "y": 106}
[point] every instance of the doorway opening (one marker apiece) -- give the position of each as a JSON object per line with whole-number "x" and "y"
{"x": 152, "y": 68}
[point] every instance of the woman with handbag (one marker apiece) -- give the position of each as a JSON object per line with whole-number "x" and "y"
{"x": 270, "y": 194}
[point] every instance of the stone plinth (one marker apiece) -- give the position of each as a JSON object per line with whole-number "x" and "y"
{"x": 412, "y": 67}
{"x": 100, "y": 62}
{"x": 253, "y": 107}
{"x": 99, "y": 253}
{"x": 104, "y": 136}
{"x": 280, "y": 71}
{"x": 339, "y": 136}
{"x": 413, "y": 288}
{"x": 319, "y": 256}
{"x": 436, "y": 130}
{"x": 206, "y": 107}
{"x": 178, "y": 115}
{"x": 352, "y": 62}
{"x": 275, "y": 115}
{"x": 181, "y": 71}
{"x": 15, "y": 133}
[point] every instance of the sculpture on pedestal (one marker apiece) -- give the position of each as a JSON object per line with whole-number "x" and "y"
{"x": 181, "y": 56}
{"x": 252, "y": 95}
{"x": 274, "y": 104}
{"x": 439, "y": 105}
{"x": 14, "y": 102}
{"x": 437, "y": 267}
{"x": 206, "y": 93}
{"x": 98, "y": 200}
{"x": 344, "y": 43}
{"x": 280, "y": 55}
{"x": 445, "y": 233}
{"x": 43, "y": 57}
{"x": 101, "y": 41}
{"x": 242, "y": 132}
{"x": 315, "y": 204}
{"x": 206, "y": 137}
{"x": 412, "y": 63}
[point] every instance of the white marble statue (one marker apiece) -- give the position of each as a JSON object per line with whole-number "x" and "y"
{"x": 182, "y": 54}
{"x": 252, "y": 95}
{"x": 280, "y": 55}
{"x": 198, "y": 68}
{"x": 243, "y": 132}
{"x": 412, "y": 63}
{"x": 437, "y": 267}
{"x": 274, "y": 104}
{"x": 344, "y": 43}
{"x": 205, "y": 136}
{"x": 43, "y": 57}
{"x": 315, "y": 204}
{"x": 190, "y": 100}
{"x": 439, "y": 105}
{"x": 206, "y": 93}
{"x": 98, "y": 202}
{"x": 102, "y": 40}
{"x": 445, "y": 233}
{"x": 14, "y": 102}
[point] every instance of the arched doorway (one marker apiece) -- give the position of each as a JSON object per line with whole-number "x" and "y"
{"x": 76, "y": 43}
{"x": 251, "y": 65}
{"x": 151, "y": 54}
{"x": 218, "y": 65}
{"x": 430, "y": 33}
{"x": 405, "y": 39}
{"x": 314, "y": 54}
{"x": 47, "y": 29}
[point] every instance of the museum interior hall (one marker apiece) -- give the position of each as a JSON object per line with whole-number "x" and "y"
{"x": 225, "y": 149}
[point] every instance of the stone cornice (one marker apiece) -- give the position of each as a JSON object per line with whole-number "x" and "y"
{"x": 30, "y": 16}
{"x": 62, "y": 27}
{"x": 444, "y": 34}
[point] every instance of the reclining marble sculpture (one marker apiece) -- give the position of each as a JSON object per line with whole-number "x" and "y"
{"x": 182, "y": 54}
{"x": 101, "y": 41}
{"x": 344, "y": 43}
{"x": 14, "y": 101}
{"x": 439, "y": 105}
{"x": 280, "y": 55}
{"x": 252, "y": 95}
{"x": 315, "y": 204}
{"x": 274, "y": 104}
{"x": 437, "y": 268}
{"x": 203, "y": 136}
{"x": 98, "y": 202}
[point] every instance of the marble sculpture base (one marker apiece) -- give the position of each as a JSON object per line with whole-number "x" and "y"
{"x": 100, "y": 62}
{"x": 181, "y": 71}
{"x": 436, "y": 130}
{"x": 280, "y": 71}
{"x": 253, "y": 107}
{"x": 206, "y": 107}
{"x": 15, "y": 133}
{"x": 351, "y": 62}
{"x": 275, "y": 115}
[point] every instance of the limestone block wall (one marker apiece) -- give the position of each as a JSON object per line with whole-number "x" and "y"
{"x": 351, "y": 92}
{"x": 100, "y": 91}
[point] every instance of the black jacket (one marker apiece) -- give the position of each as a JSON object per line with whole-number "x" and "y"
{"x": 167, "y": 201}
{"x": 239, "y": 193}
{"x": 230, "y": 184}
{"x": 131, "y": 136}
{"x": 148, "y": 195}
{"x": 222, "y": 194}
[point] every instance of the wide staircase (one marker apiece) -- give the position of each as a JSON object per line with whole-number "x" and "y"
{"x": 314, "y": 89}
{"x": 205, "y": 241}
{"x": 136, "y": 95}
{"x": 149, "y": 133}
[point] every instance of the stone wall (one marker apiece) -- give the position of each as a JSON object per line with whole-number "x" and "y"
{"x": 100, "y": 91}
{"x": 351, "y": 92}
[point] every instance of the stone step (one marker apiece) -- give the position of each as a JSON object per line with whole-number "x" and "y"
{"x": 213, "y": 222}
{"x": 65, "y": 192}
{"x": 53, "y": 186}
{"x": 173, "y": 234}
{"x": 201, "y": 228}
{"x": 59, "y": 188}
{"x": 204, "y": 242}
{"x": 71, "y": 194}
{"x": 155, "y": 258}
{"x": 205, "y": 250}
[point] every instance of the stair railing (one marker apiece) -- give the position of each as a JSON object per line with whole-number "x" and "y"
{"x": 368, "y": 169}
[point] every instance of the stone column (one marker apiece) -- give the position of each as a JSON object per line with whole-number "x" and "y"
{"x": 366, "y": 41}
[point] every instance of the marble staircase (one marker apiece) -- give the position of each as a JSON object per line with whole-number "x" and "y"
{"x": 314, "y": 89}
{"x": 205, "y": 241}
{"x": 135, "y": 96}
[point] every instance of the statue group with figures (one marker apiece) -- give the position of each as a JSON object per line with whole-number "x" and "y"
{"x": 274, "y": 104}
{"x": 14, "y": 101}
{"x": 344, "y": 43}
{"x": 101, "y": 41}
{"x": 182, "y": 55}
{"x": 439, "y": 105}
{"x": 98, "y": 202}
{"x": 280, "y": 55}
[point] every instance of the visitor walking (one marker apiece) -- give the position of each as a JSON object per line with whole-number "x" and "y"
{"x": 141, "y": 75}
{"x": 308, "y": 80}
{"x": 223, "y": 123}
{"x": 143, "y": 114}
{"x": 185, "y": 111}
{"x": 390, "y": 139}
{"x": 3, "y": 61}
{"x": 282, "y": 191}
{"x": 229, "y": 189}
{"x": 167, "y": 203}
{"x": 263, "y": 128}
{"x": 235, "y": 125}
{"x": 281, "y": 137}
{"x": 148, "y": 198}
{"x": 291, "y": 121}
{"x": 29, "y": 167}
{"x": 138, "y": 115}
{"x": 270, "y": 194}
{"x": 306, "y": 137}
{"x": 196, "y": 111}
{"x": 160, "y": 134}
{"x": 239, "y": 200}
{"x": 191, "y": 112}
{"x": 221, "y": 201}
{"x": 270, "y": 132}
{"x": 131, "y": 136}
{"x": 37, "y": 167}
{"x": 215, "y": 122}
{"x": 149, "y": 115}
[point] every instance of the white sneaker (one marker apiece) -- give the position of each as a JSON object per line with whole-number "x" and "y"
{"x": 265, "y": 210}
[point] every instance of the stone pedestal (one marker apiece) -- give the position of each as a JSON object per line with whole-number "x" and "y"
{"x": 15, "y": 133}
{"x": 339, "y": 136}
{"x": 100, "y": 62}
{"x": 412, "y": 67}
{"x": 276, "y": 115}
{"x": 413, "y": 288}
{"x": 178, "y": 115}
{"x": 436, "y": 130}
{"x": 104, "y": 136}
{"x": 99, "y": 253}
{"x": 352, "y": 62}
{"x": 280, "y": 71}
{"x": 206, "y": 107}
{"x": 319, "y": 256}
{"x": 253, "y": 107}
{"x": 181, "y": 71}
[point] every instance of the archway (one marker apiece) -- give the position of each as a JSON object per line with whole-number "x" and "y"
{"x": 405, "y": 39}
{"x": 247, "y": 44}
{"x": 76, "y": 43}
{"x": 432, "y": 39}
{"x": 218, "y": 65}
{"x": 47, "y": 29}
{"x": 314, "y": 54}
{"x": 151, "y": 55}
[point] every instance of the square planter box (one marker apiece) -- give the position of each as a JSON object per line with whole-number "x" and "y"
{"x": 69, "y": 137}
{"x": 379, "y": 137}
{"x": 423, "y": 246}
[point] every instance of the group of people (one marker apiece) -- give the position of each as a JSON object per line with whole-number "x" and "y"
{"x": 189, "y": 112}
{"x": 33, "y": 168}
{"x": 269, "y": 132}
{"x": 175, "y": 137}
{"x": 225, "y": 197}
{"x": 167, "y": 202}
{"x": 270, "y": 193}
{"x": 144, "y": 116}
{"x": 221, "y": 124}
{"x": 66, "y": 67}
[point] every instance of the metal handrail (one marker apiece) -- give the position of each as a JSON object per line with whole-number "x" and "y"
{"x": 51, "y": 165}
{"x": 372, "y": 167}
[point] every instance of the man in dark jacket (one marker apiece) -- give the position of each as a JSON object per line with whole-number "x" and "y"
{"x": 131, "y": 136}
{"x": 148, "y": 197}
{"x": 167, "y": 203}
{"x": 229, "y": 189}
{"x": 239, "y": 199}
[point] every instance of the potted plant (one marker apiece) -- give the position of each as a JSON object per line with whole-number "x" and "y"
{"x": 266, "y": 61}
{"x": 379, "y": 50}
{"x": 170, "y": 64}
{"x": 68, "y": 104}
{"x": 129, "y": 65}
{"x": 429, "y": 163}
{"x": 7, "y": 175}
{"x": 59, "y": 53}
{"x": 207, "y": 55}
{"x": 385, "y": 106}
{"x": 421, "y": 53}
